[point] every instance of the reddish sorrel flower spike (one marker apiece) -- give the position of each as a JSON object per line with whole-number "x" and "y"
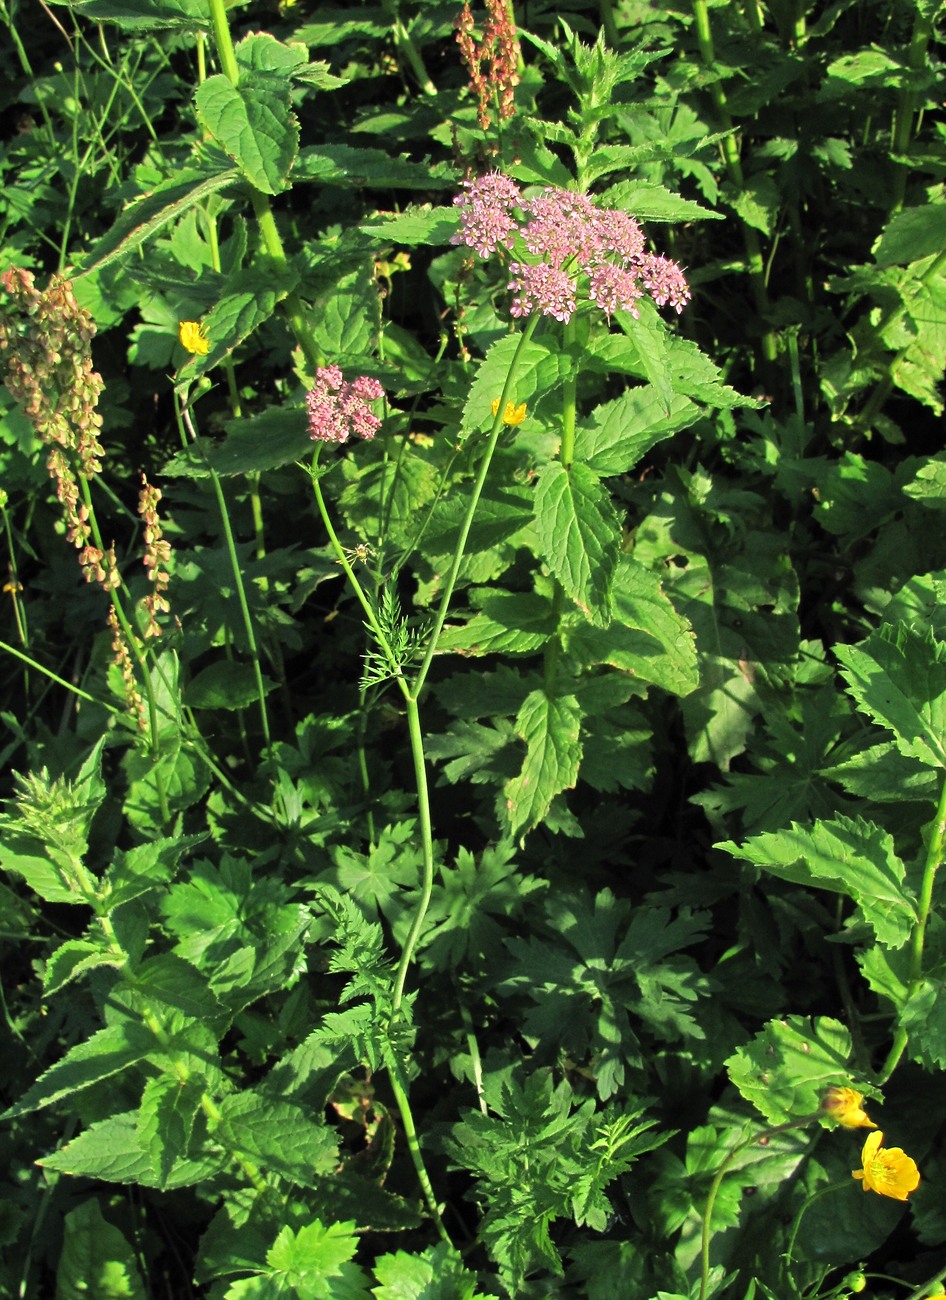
{"x": 338, "y": 407}
{"x": 498, "y": 50}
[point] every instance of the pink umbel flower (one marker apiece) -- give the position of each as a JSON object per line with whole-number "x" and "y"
{"x": 665, "y": 282}
{"x": 338, "y": 407}
{"x": 541, "y": 288}
{"x": 486, "y": 213}
{"x": 567, "y": 249}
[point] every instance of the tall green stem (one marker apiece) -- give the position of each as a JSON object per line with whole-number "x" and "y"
{"x": 903, "y": 119}
{"x": 238, "y": 584}
{"x": 935, "y": 854}
{"x": 730, "y": 152}
{"x": 421, "y": 676}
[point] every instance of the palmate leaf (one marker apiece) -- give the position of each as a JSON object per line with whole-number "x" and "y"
{"x": 437, "y": 1274}
{"x": 845, "y": 856}
{"x": 898, "y": 677}
{"x": 549, "y": 724}
{"x": 577, "y": 530}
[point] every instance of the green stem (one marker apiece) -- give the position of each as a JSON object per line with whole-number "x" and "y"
{"x": 815, "y": 1196}
{"x": 60, "y": 681}
{"x": 935, "y": 854}
{"x": 238, "y": 581}
{"x": 427, "y": 845}
{"x": 730, "y": 152}
{"x": 407, "y": 50}
{"x": 903, "y": 120}
{"x": 413, "y": 1145}
{"x": 418, "y": 683}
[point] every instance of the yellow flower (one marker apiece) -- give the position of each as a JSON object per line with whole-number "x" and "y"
{"x": 194, "y": 337}
{"x": 513, "y": 415}
{"x": 845, "y": 1106}
{"x": 888, "y": 1171}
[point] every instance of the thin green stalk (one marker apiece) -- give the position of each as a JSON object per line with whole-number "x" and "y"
{"x": 904, "y": 114}
{"x": 421, "y": 676}
{"x": 935, "y": 854}
{"x": 427, "y": 845}
{"x": 408, "y": 51}
{"x": 730, "y": 152}
{"x": 238, "y": 581}
{"x": 261, "y": 205}
{"x": 413, "y": 1145}
{"x": 60, "y": 681}
{"x": 815, "y": 1196}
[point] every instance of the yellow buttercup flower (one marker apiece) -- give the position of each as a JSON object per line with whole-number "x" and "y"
{"x": 846, "y": 1107}
{"x": 194, "y": 337}
{"x": 512, "y": 415}
{"x": 888, "y": 1171}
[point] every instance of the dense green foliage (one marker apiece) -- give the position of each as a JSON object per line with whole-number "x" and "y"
{"x": 464, "y": 861}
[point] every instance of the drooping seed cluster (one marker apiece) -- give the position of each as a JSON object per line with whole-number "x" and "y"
{"x": 493, "y": 63}
{"x": 580, "y": 250}
{"x": 338, "y": 407}
{"x": 157, "y": 557}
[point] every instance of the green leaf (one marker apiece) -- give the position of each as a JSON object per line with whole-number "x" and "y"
{"x": 25, "y": 856}
{"x": 549, "y": 725}
{"x": 225, "y": 685}
{"x": 254, "y": 125}
{"x": 898, "y": 677}
{"x": 314, "y": 1261}
{"x": 786, "y": 1069}
{"x": 848, "y": 857}
{"x": 96, "y": 1259}
{"x": 912, "y": 234}
{"x": 147, "y": 15}
{"x": 249, "y": 299}
{"x": 152, "y": 211}
{"x": 342, "y": 164}
{"x": 107, "y": 1052}
{"x": 136, "y": 871}
{"x": 166, "y": 1121}
{"x": 414, "y": 226}
{"x": 507, "y": 622}
{"x": 279, "y": 1136}
{"x": 621, "y": 432}
{"x": 650, "y": 202}
{"x": 646, "y": 638}
{"x": 540, "y": 370}
{"x": 112, "y": 1150}
{"x": 923, "y": 1016}
{"x": 577, "y": 533}
{"x": 437, "y": 1274}
{"x": 74, "y": 958}
{"x": 277, "y": 436}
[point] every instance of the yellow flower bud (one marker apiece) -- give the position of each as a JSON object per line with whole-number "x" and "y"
{"x": 845, "y": 1106}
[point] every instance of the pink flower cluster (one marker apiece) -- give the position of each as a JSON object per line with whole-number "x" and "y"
{"x": 338, "y": 408}
{"x": 580, "y": 249}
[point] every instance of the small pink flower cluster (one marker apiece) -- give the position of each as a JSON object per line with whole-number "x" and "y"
{"x": 573, "y": 238}
{"x": 338, "y": 408}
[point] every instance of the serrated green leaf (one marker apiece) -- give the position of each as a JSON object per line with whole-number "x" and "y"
{"x": 912, "y": 234}
{"x": 24, "y": 855}
{"x": 621, "y": 432}
{"x": 845, "y": 856}
{"x": 154, "y": 210}
{"x": 280, "y": 1136}
{"x": 253, "y": 124}
{"x": 112, "y": 1150}
{"x": 96, "y": 1259}
{"x": 898, "y": 677}
{"x": 506, "y": 622}
{"x": 414, "y": 226}
{"x": 147, "y": 15}
{"x": 106, "y": 1053}
{"x": 577, "y": 531}
{"x": 550, "y": 726}
{"x": 134, "y": 871}
{"x": 170, "y": 980}
{"x": 166, "y": 1120}
{"x": 342, "y": 164}
{"x": 74, "y": 958}
{"x": 649, "y": 202}
{"x": 540, "y": 369}
{"x": 437, "y": 1274}
{"x": 276, "y": 436}
{"x": 646, "y": 637}
{"x": 250, "y": 298}
{"x": 786, "y": 1069}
